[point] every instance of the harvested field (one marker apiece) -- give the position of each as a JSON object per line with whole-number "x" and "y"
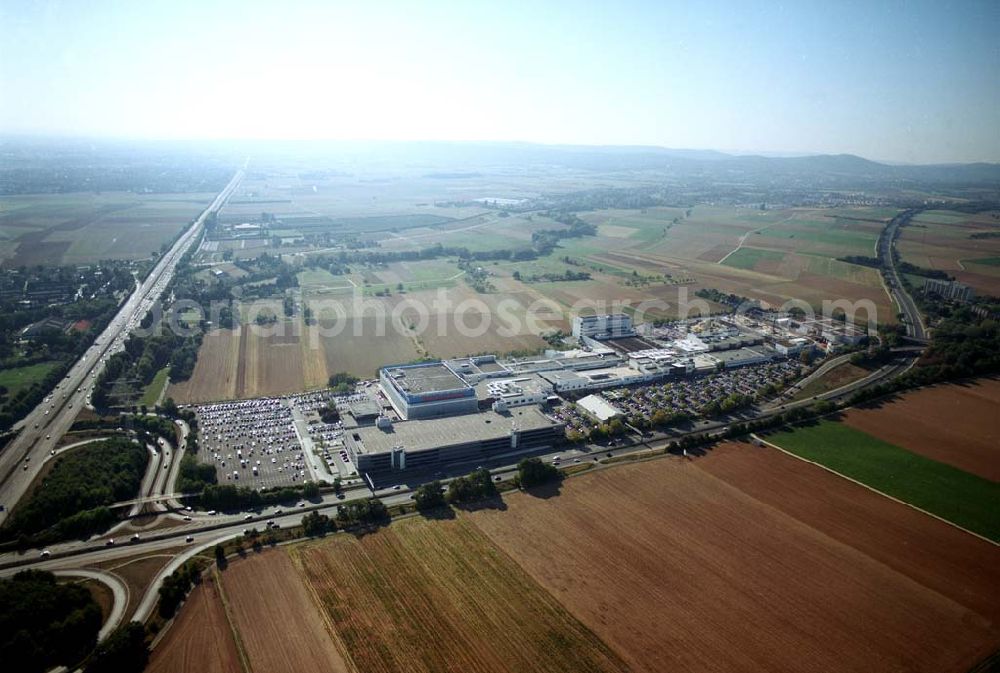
{"x": 428, "y": 595}
{"x": 678, "y": 569}
{"x": 200, "y": 639}
{"x": 214, "y": 376}
{"x": 278, "y": 622}
{"x": 954, "y": 424}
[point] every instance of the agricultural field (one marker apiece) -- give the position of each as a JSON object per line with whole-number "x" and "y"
{"x": 747, "y": 559}
{"x": 741, "y": 559}
{"x": 954, "y": 424}
{"x": 942, "y": 240}
{"x": 82, "y": 228}
{"x": 770, "y": 255}
{"x": 214, "y": 376}
{"x": 428, "y": 595}
{"x": 200, "y": 639}
{"x": 279, "y": 624}
{"x": 965, "y": 499}
{"x": 360, "y": 333}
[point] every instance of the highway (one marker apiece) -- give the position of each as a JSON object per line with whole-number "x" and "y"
{"x": 203, "y": 531}
{"x": 886, "y": 245}
{"x": 22, "y": 459}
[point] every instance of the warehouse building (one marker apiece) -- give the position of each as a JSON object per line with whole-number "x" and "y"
{"x": 599, "y": 408}
{"x": 385, "y": 452}
{"x": 426, "y": 390}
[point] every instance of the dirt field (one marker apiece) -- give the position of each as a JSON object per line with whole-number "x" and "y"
{"x": 200, "y": 640}
{"x": 438, "y": 596}
{"x": 678, "y": 568}
{"x": 277, "y": 620}
{"x": 955, "y": 424}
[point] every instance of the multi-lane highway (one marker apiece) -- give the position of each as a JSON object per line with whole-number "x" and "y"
{"x": 41, "y": 429}
{"x": 886, "y": 245}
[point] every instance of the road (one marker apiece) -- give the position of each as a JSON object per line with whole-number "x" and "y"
{"x": 118, "y": 589}
{"x": 915, "y": 327}
{"x": 22, "y": 459}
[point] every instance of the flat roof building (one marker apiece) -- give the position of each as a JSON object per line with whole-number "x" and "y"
{"x": 382, "y": 453}
{"x": 599, "y": 408}
{"x": 426, "y": 390}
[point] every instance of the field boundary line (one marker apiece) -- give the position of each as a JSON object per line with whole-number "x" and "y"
{"x": 237, "y": 640}
{"x": 872, "y": 489}
{"x": 296, "y": 560}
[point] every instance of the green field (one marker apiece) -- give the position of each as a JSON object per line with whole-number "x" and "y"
{"x": 152, "y": 393}
{"x": 943, "y": 490}
{"x": 748, "y": 258}
{"x": 987, "y": 261}
{"x": 16, "y": 378}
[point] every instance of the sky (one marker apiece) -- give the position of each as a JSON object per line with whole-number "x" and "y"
{"x": 913, "y": 82}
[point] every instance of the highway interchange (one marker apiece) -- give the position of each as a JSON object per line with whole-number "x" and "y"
{"x": 200, "y": 531}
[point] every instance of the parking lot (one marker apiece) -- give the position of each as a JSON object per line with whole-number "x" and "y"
{"x": 687, "y": 395}
{"x": 252, "y": 443}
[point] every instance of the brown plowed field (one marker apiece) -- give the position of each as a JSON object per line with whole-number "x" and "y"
{"x": 427, "y": 596}
{"x": 200, "y": 640}
{"x": 279, "y": 624}
{"x": 693, "y": 566}
{"x": 955, "y": 424}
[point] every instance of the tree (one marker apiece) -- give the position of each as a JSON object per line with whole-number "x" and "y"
{"x": 314, "y": 524}
{"x": 342, "y": 382}
{"x": 516, "y": 275}
{"x": 220, "y": 555}
{"x": 123, "y": 652}
{"x": 532, "y": 471}
{"x": 429, "y": 496}
{"x": 478, "y": 485}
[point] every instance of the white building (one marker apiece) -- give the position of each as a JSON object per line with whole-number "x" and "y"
{"x": 599, "y": 408}
{"x": 603, "y": 326}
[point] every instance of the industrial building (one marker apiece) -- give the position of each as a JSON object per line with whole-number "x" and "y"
{"x": 427, "y": 390}
{"x": 503, "y": 394}
{"x": 603, "y": 326}
{"x": 387, "y": 450}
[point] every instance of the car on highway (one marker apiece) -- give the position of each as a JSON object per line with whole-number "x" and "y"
{"x": 189, "y": 538}
{"x": 110, "y": 542}
{"x": 45, "y": 553}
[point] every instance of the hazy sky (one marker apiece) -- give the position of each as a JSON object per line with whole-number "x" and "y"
{"x": 903, "y": 81}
